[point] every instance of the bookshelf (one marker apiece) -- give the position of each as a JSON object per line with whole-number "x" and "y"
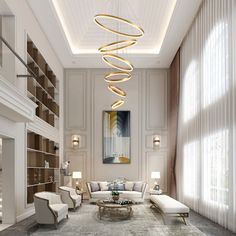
{"x": 43, "y": 90}
{"x": 42, "y": 165}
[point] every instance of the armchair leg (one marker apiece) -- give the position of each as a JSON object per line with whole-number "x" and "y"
{"x": 56, "y": 225}
{"x": 67, "y": 216}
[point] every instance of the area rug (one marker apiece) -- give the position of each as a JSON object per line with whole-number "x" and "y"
{"x": 144, "y": 222}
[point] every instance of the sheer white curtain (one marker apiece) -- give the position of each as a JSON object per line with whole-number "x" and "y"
{"x": 206, "y": 150}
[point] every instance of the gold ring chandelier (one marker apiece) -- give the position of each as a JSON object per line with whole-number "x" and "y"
{"x": 113, "y": 77}
{"x": 117, "y": 104}
{"x": 107, "y": 54}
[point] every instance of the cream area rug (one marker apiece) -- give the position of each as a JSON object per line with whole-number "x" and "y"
{"x": 143, "y": 222}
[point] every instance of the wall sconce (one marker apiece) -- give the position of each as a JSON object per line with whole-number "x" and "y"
{"x": 156, "y": 141}
{"x": 75, "y": 140}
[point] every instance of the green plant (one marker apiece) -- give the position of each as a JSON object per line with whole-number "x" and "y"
{"x": 115, "y": 193}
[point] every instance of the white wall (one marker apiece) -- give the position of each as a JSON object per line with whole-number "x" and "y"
{"x": 0, "y": 153}
{"x": 86, "y": 96}
{"x": 25, "y": 23}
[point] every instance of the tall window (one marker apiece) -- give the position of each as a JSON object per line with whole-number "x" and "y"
{"x": 216, "y": 169}
{"x": 191, "y": 157}
{"x": 215, "y": 65}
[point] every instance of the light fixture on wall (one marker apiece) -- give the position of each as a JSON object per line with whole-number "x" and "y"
{"x": 77, "y": 175}
{"x": 75, "y": 140}
{"x": 109, "y": 49}
{"x": 156, "y": 141}
{"x": 156, "y": 175}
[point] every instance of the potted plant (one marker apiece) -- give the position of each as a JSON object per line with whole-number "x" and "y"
{"x": 115, "y": 195}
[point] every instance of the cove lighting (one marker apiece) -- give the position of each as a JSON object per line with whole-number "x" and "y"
{"x": 76, "y": 50}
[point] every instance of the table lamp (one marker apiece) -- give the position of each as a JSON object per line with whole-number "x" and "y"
{"x": 77, "y": 175}
{"x": 156, "y": 176}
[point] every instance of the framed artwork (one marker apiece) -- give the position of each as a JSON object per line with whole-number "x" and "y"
{"x": 116, "y": 137}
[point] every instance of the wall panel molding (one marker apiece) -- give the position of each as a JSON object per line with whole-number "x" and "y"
{"x": 156, "y": 99}
{"x": 76, "y": 100}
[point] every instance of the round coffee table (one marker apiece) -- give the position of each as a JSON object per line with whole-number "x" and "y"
{"x": 113, "y": 208}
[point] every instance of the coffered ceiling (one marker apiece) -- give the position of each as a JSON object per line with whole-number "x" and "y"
{"x": 75, "y": 37}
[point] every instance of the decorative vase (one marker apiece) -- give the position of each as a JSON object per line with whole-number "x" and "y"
{"x": 115, "y": 197}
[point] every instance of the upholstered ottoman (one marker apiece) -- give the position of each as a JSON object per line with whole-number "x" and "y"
{"x": 170, "y": 206}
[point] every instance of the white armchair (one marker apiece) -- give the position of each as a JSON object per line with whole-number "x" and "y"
{"x": 49, "y": 208}
{"x": 70, "y": 197}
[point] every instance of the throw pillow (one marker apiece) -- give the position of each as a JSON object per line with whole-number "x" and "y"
{"x": 103, "y": 186}
{"x": 138, "y": 186}
{"x": 94, "y": 186}
{"x": 129, "y": 186}
{"x": 120, "y": 187}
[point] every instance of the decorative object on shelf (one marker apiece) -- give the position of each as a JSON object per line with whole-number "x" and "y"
{"x": 50, "y": 178}
{"x": 156, "y": 175}
{"x": 46, "y": 164}
{"x": 109, "y": 49}
{"x": 156, "y": 141}
{"x": 116, "y": 137}
{"x": 77, "y": 175}
{"x": 75, "y": 141}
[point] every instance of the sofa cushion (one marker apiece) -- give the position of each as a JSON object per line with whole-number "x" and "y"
{"x": 131, "y": 194}
{"x": 94, "y": 186}
{"x": 168, "y": 204}
{"x": 123, "y": 194}
{"x": 59, "y": 209}
{"x": 101, "y": 194}
{"x": 103, "y": 186}
{"x": 138, "y": 186}
{"x": 129, "y": 186}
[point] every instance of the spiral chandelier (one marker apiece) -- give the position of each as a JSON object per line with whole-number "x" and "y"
{"x": 108, "y": 52}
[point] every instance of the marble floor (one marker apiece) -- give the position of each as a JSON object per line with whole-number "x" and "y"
{"x": 196, "y": 221}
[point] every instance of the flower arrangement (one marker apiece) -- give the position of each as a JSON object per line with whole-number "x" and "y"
{"x": 114, "y": 188}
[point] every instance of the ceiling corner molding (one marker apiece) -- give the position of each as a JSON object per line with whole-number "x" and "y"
{"x": 14, "y": 105}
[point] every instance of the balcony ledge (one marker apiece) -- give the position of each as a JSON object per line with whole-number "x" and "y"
{"x": 14, "y": 105}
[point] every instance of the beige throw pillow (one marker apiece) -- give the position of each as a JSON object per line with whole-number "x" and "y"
{"x": 129, "y": 186}
{"x": 103, "y": 186}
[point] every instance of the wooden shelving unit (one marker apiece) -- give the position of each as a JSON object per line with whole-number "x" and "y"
{"x": 39, "y": 177}
{"x": 42, "y": 90}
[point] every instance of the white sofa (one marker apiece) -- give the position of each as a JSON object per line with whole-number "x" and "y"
{"x": 49, "y": 208}
{"x": 136, "y": 196}
{"x": 70, "y": 197}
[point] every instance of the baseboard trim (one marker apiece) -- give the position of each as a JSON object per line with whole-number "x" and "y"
{"x": 25, "y": 215}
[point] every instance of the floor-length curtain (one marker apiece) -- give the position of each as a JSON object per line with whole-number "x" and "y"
{"x": 206, "y": 166}
{"x": 173, "y": 121}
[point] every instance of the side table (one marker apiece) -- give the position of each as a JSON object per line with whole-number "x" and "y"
{"x": 155, "y": 192}
{"x": 81, "y": 193}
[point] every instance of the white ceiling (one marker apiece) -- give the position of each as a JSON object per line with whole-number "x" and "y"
{"x": 75, "y": 37}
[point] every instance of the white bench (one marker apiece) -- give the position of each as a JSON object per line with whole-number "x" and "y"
{"x": 168, "y": 205}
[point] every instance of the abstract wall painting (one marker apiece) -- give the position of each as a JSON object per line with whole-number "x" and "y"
{"x": 116, "y": 137}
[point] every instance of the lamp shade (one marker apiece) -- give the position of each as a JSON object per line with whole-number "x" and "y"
{"x": 76, "y": 175}
{"x": 155, "y": 175}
